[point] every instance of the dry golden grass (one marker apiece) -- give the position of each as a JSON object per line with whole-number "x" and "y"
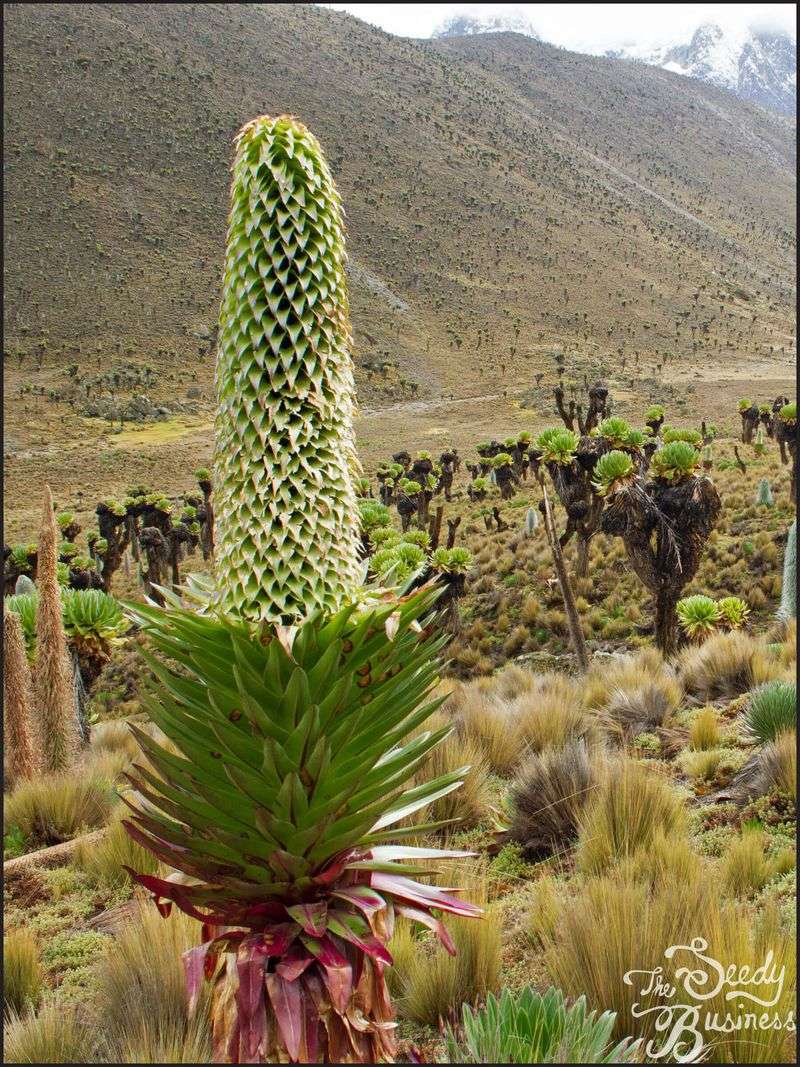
{"x": 56, "y": 1034}
{"x": 630, "y": 808}
{"x": 669, "y": 858}
{"x": 703, "y": 764}
{"x": 615, "y": 924}
{"x": 485, "y": 722}
{"x": 433, "y": 984}
{"x": 544, "y": 908}
{"x": 56, "y": 807}
{"x": 518, "y": 712}
{"x": 143, "y": 983}
{"x": 779, "y": 761}
{"x": 147, "y": 1044}
{"x": 704, "y": 732}
{"x": 635, "y": 694}
{"x": 404, "y": 948}
{"x": 469, "y": 804}
{"x": 788, "y": 650}
{"x": 726, "y": 665}
{"x": 745, "y": 868}
{"x": 549, "y": 795}
{"x": 103, "y": 860}
{"x": 115, "y": 736}
{"x": 551, "y": 713}
{"x": 626, "y": 673}
{"x": 22, "y": 970}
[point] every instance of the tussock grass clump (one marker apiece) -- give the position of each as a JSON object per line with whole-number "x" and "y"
{"x": 788, "y": 649}
{"x": 779, "y": 763}
{"x": 614, "y": 920}
{"x": 143, "y": 983}
{"x": 634, "y": 694}
{"x": 55, "y": 808}
{"x": 115, "y": 736}
{"x": 668, "y": 859}
{"x": 552, "y": 714}
{"x": 469, "y": 804}
{"x": 511, "y": 682}
{"x": 547, "y": 712}
{"x": 105, "y": 766}
{"x": 436, "y": 984}
{"x": 485, "y": 722}
{"x": 624, "y": 673}
{"x": 404, "y": 948}
{"x": 103, "y": 860}
{"x": 541, "y": 918}
{"x": 551, "y": 791}
{"x": 745, "y": 867}
{"x": 144, "y": 1044}
{"x": 704, "y": 733}
{"x": 645, "y": 707}
{"x": 726, "y": 665}
{"x": 631, "y": 806}
{"x": 772, "y": 709}
{"x": 703, "y": 764}
{"x": 56, "y": 1034}
{"x": 22, "y": 971}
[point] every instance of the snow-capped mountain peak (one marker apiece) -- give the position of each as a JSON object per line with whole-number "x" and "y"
{"x": 759, "y": 65}
{"x": 756, "y": 64}
{"x": 462, "y": 24}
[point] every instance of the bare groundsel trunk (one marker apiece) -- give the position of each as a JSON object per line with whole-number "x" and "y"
{"x": 582, "y": 563}
{"x": 207, "y": 525}
{"x": 570, "y": 608}
{"x": 666, "y": 620}
{"x": 750, "y": 418}
{"x": 155, "y": 549}
{"x": 53, "y": 676}
{"x": 24, "y": 754}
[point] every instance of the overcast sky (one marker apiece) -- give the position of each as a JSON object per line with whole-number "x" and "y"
{"x": 586, "y": 27}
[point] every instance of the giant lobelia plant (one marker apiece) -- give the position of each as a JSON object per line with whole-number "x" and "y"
{"x": 293, "y": 697}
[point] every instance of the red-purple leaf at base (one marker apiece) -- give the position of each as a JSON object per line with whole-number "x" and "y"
{"x": 250, "y": 1000}
{"x": 277, "y": 939}
{"x": 286, "y": 999}
{"x": 339, "y": 922}
{"x": 194, "y": 968}
{"x": 337, "y": 972}
{"x": 294, "y": 963}
{"x": 429, "y": 896}
{"x": 312, "y": 917}
{"x": 424, "y": 917}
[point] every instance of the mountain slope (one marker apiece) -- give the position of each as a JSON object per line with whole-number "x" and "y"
{"x": 505, "y": 198}
{"x": 757, "y": 65}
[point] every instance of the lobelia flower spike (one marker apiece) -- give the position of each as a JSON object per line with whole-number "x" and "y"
{"x": 53, "y": 678}
{"x": 23, "y": 750}
{"x": 284, "y": 459}
{"x": 293, "y": 708}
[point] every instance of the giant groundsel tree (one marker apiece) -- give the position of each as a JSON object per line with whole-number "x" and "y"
{"x": 292, "y": 700}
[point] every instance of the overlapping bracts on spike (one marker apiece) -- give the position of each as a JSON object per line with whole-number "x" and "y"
{"x": 284, "y": 454}
{"x": 277, "y": 809}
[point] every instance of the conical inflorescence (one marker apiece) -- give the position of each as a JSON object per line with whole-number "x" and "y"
{"x": 284, "y": 456}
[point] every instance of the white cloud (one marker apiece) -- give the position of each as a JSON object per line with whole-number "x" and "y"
{"x": 586, "y": 27}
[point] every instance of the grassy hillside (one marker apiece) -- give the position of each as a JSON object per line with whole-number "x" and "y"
{"x": 509, "y": 205}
